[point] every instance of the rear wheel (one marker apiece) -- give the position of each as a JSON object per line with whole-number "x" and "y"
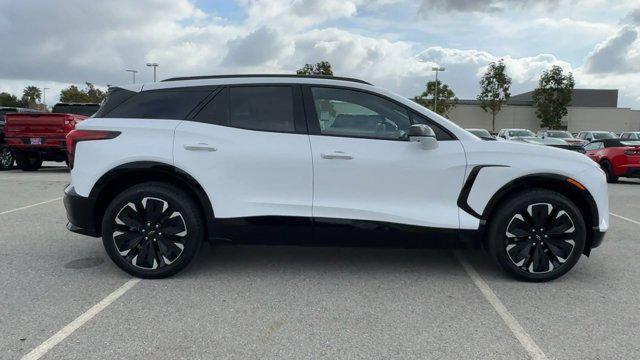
{"x": 608, "y": 169}
{"x": 28, "y": 161}
{"x": 537, "y": 235}
{"x": 152, "y": 230}
{"x": 6, "y": 159}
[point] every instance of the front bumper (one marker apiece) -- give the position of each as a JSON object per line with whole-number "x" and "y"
{"x": 596, "y": 238}
{"x": 81, "y": 213}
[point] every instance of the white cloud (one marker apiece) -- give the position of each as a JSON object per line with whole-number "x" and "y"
{"x": 620, "y": 53}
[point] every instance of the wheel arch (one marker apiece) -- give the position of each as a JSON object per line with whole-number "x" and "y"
{"x": 580, "y": 197}
{"x": 126, "y": 175}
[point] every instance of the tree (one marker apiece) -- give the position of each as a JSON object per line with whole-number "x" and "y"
{"x": 321, "y": 68}
{"x": 552, "y": 97}
{"x": 90, "y": 94}
{"x": 494, "y": 90}
{"x": 446, "y": 97}
{"x": 31, "y": 95}
{"x": 10, "y": 100}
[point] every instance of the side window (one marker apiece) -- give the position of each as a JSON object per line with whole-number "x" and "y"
{"x": 593, "y": 146}
{"x": 266, "y": 108}
{"x": 159, "y": 104}
{"x": 353, "y": 113}
{"x": 217, "y": 110}
{"x": 625, "y": 136}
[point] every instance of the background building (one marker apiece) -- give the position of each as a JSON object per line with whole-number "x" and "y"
{"x": 590, "y": 109}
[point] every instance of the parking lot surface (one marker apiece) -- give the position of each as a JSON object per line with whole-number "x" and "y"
{"x": 57, "y": 299}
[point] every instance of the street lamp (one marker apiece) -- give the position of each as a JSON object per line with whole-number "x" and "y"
{"x": 154, "y": 65}
{"x": 435, "y": 97}
{"x": 133, "y": 72}
{"x": 44, "y": 97}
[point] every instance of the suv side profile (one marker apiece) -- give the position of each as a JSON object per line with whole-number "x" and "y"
{"x": 163, "y": 167}
{"x": 595, "y": 135}
{"x": 630, "y": 135}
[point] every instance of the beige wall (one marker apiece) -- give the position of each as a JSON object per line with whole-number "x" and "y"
{"x": 579, "y": 118}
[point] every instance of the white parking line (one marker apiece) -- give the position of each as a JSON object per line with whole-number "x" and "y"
{"x": 43, "y": 348}
{"x": 625, "y": 218}
{"x": 527, "y": 342}
{"x": 29, "y": 206}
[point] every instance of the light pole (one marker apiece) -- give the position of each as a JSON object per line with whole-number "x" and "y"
{"x": 133, "y": 72}
{"x": 154, "y": 65}
{"x": 44, "y": 97}
{"x": 435, "y": 97}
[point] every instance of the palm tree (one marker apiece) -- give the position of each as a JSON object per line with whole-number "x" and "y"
{"x": 31, "y": 95}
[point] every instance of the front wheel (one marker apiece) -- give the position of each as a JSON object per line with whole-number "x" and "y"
{"x": 6, "y": 159}
{"x": 152, "y": 230}
{"x": 537, "y": 235}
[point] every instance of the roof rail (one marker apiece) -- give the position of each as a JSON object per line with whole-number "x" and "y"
{"x": 267, "y": 76}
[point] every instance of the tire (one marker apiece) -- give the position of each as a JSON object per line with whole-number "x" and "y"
{"x": 145, "y": 238}
{"x": 6, "y": 159}
{"x": 536, "y": 235}
{"x": 28, "y": 161}
{"x": 608, "y": 169}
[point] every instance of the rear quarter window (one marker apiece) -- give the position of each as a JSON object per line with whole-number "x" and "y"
{"x": 159, "y": 104}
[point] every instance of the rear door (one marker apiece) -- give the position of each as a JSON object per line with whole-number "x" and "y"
{"x": 365, "y": 168}
{"x": 249, "y": 149}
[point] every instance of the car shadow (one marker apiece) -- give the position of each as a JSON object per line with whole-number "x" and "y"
{"x": 344, "y": 261}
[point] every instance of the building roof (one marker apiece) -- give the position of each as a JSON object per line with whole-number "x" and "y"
{"x": 579, "y": 97}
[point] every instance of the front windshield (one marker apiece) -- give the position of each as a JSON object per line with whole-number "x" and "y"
{"x": 604, "y": 135}
{"x": 520, "y": 133}
{"x": 480, "y": 132}
{"x": 560, "y": 134}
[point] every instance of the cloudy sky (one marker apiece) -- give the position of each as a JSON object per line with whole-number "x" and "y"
{"x": 391, "y": 43}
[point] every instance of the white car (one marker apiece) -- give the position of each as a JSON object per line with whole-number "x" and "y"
{"x": 164, "y": 166}
{"x": 589, "y": 136}
{"x": 630, "y": 135}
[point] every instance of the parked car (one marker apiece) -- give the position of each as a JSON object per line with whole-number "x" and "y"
{"x": 482, "y": 134}
{"x": 527, "y": 136}
{"x": 37, "y": 137}
{"x": 516, "y": 134}
{"x": 617, "y": 157}
{"x": 561, "y": 134}
{"x": 630, "y": 135}
{"x": 595, "y": 135}
{"x": 6, "y": 156}
{"x": 301, "y": 160}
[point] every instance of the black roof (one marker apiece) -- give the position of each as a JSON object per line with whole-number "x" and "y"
{"x": 618, "y": 142}
{"x": 205, "y": 77}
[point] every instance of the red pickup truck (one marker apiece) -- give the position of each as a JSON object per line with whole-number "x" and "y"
{"x": 37, "y": 137}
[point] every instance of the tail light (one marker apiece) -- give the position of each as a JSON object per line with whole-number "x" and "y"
{"x": 76, "y": 136}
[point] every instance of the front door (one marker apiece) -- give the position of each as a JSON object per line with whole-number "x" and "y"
{"x": 365, "y": 168}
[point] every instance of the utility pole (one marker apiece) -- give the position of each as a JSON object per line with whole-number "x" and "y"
{"x": 44, "y": 97}
{"x": 133, "y": 72}
{"x": 154, "y": 65}
{"x": 435, "y": 97}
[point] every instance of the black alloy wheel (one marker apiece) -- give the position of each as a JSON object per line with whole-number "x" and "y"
{"x": 152, "y": 230}
{"x": 6, "y": 159}
{"x": 538, "y": 235}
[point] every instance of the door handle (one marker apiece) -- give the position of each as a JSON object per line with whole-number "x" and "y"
{"x": 339, "y": 155}
{"x": 199, "y": 147}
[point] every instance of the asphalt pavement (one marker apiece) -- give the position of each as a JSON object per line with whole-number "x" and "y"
{"x": 63, "y": 298}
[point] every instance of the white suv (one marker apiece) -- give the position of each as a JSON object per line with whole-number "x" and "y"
{"x": 163, "y": 167}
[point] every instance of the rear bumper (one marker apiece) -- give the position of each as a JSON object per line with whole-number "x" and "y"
{"x": 80, "y": 213}
{"x": 24, "y": 142}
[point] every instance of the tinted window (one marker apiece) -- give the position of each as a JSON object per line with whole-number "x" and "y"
{"x": 353, "y": 113}
{"x": 78, "y": 109}
{"x": 115, "y": 97}
{"x": 625, "y": 136}
{"x": 267, "y": 108}
{"x": 160, "y": 104}
{"x": 441, "y": 133}
{"x": 217, "y": 110}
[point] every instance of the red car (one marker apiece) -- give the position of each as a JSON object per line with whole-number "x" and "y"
{"x": 618, "y": 158}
